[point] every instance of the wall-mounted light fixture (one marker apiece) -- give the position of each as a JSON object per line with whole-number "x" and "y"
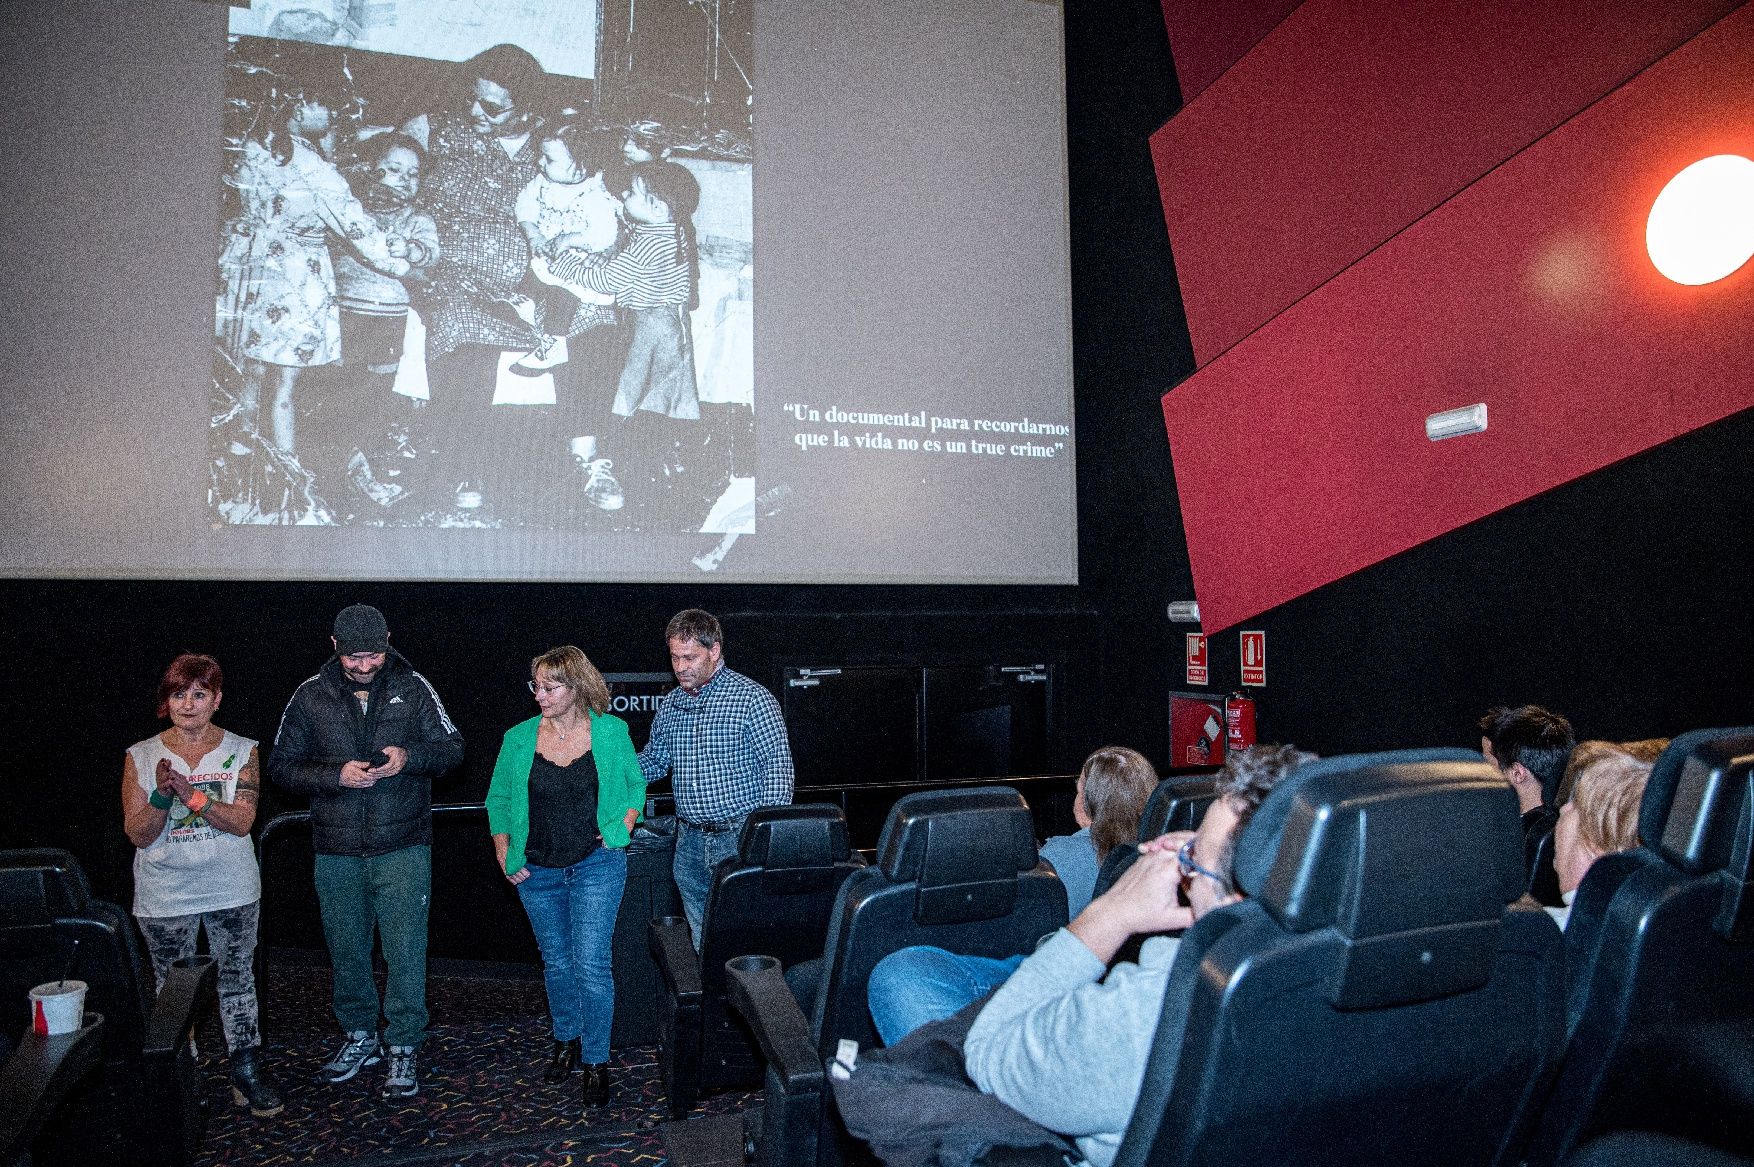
{"x": 1701, "y": 226}
{"x": 1453, "y": 423}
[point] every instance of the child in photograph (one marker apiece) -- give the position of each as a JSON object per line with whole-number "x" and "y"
{"x": 567, "y": 206}
{"x": 374, "y": 307}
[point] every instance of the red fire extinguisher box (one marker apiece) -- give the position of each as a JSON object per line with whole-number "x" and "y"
{"x": 1204, "y": 727}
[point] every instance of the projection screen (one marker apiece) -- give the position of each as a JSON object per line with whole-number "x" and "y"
{"x": 739, "y": 290}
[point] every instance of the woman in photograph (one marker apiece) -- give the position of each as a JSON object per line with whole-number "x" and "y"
{"x": 188, "y": 802}
{"x": 565, "y": 794}
{"x": 479, "y": 159}
{"x": 278, "y": 308}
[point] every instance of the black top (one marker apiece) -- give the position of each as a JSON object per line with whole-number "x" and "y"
{"x": 563, "y": 811}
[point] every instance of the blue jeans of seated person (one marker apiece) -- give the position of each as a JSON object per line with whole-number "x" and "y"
{"x": 915, "y": 985}
{"x": 697, "y": 854}
{"x": 572, "y": 911}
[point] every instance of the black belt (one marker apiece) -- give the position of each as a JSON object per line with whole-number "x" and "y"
{"x": 714, "y": 828}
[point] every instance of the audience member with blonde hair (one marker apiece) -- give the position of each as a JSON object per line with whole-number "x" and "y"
{"x": 1600, "y": 818}
{"x": 1112, "y": 789}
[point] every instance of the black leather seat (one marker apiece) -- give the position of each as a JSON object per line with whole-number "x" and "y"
{"x": 954, "y": 868}
{"x": 36, "y": 1075}
{"x": 1384, "y": 996}
{"x": 1176, "y": 805}
{"x": 774, "y": 897}
{"x": 146, "y": 1066}
{"x": 1660, "y": 948}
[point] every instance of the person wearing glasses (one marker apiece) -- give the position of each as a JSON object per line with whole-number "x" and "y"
{"x": 481, "y": 152}
{"x": 364, "y": 739}
{"x": 565, "y": 794}
{"x": 1065, "y": 1044}
{"x": 915, "y": 985}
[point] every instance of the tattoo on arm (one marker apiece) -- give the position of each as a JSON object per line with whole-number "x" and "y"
{"x": 249, "y": 784}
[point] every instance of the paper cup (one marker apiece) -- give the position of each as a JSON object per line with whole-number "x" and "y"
{"x": 57, "y": 1007}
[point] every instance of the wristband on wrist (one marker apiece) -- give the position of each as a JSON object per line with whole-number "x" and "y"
{"x": 159, "y": 800}
{"x": 198, "y": 803}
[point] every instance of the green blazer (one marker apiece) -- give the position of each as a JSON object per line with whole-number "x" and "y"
{"x": 620, "y": 785}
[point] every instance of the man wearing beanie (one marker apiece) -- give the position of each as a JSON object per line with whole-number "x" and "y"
{"x": 364, "y": 739}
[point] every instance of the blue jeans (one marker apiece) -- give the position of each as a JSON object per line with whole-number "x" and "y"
{"x": 915, "y": 985}
{"x": 572, "y": 911}
{"x": 697, "y": 854}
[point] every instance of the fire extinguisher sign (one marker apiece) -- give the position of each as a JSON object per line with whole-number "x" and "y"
{"x": 1254, "y": 659}
{"x": 1196, "y": 658}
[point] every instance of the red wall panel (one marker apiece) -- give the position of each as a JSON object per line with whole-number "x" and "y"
{"x": 1300, "y": 454}
{"x": 1207, "y": 38}
{"x": 1352, "y": 119}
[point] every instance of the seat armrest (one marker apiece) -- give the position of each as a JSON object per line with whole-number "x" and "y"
{"x": 38, "y": 1075}
{"x": 758, "y": 991}
{"x": 673, "y": 948}
{"x": 188, "y": 989}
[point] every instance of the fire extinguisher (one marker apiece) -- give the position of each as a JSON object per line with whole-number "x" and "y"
{"x": 1239, "y": 722}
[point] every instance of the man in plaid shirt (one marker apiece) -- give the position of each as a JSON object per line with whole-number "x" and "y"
{"x": 720, "y": 738}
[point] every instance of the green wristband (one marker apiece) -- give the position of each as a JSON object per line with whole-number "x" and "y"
{"x": 160, "y": 799}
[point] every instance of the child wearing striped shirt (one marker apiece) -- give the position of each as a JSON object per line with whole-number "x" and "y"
{"x": 652, "y": 279}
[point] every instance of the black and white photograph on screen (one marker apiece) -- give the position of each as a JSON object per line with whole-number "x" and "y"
{"x": 487, "y": 266}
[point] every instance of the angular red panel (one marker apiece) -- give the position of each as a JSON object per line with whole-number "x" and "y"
{"x": 1208, "y": 38}
{"x": 1300, "y": 455}
{"x": 1351, "y": 119}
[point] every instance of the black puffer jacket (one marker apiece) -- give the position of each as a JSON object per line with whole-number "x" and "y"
{"x": 323, "y": 728}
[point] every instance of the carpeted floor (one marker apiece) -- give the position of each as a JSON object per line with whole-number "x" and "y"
{"x": 482, "y": 1102}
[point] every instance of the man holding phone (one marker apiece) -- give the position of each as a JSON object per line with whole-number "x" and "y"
{"x": 364, "y": 739}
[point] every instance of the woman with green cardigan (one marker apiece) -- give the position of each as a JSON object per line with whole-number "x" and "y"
{"x": 566, "y": 792}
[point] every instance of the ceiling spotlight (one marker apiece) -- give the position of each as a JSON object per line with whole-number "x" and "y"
{"x": 1701, "y": 226}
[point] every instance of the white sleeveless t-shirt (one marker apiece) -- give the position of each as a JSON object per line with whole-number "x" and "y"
{"x": 192, "y": 866}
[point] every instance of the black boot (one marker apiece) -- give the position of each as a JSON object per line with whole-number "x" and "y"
{"x": 597, "y": 1084}
{"x": 251, "y": 1086}
{"x": 564, "y": 1062}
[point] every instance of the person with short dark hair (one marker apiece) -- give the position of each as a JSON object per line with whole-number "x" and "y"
{"x": 1529, "y": 745}
{"x": 364, "y": 739}
{"x": 566, "y": 792}
{"x": 188, "y": 802}
{"x": 720, "y": 737}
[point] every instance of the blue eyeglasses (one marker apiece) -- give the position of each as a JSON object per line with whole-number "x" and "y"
{"x": 1184, "y": 859}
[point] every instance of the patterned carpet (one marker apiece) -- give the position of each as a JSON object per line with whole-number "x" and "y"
{"x": 482, "y": 1101}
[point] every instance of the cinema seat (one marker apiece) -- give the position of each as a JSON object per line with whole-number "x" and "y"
{"x": 1660, "y": 948}
{"x": 774, "y": 897}
{"x": 1385, "y": 994}
{"x": 146, "y": 1066}
{"x": 36, "y": 1074}
{"x": 954, "y": 868}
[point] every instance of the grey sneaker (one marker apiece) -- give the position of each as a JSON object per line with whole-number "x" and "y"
{"x": 401, "y": 1082}
{"x": 358, "y": 1051}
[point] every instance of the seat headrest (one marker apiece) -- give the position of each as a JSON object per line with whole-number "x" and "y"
{"x": 1409, "y": 856}
{"x": 806, "y": 835}
{"x": 1173, "y": 803}
{"x": 1697, "y": 811}
{"x": 39, "y": 884}
{"x": 955, "y": 836}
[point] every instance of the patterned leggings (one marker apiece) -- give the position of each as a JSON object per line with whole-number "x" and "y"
{"x": 231, "y": 938}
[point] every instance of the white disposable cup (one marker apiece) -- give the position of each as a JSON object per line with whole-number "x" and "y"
{"x": 57, "y": 1006}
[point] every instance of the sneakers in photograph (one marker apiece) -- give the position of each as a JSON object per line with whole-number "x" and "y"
{"x": 521, "y": 307}
{"x": 401, "y": 1082}
{"x": 551, "y": 352}
{"x": 360, "y": 1049}
{"x": 601, "y": 489}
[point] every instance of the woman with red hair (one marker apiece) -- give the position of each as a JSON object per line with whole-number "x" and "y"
{"x": 188, "y": 802}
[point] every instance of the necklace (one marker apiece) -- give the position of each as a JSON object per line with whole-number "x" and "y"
{"x": 559, "y": 732}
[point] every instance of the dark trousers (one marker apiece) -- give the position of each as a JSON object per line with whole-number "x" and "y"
{"x": 389, "y": 893}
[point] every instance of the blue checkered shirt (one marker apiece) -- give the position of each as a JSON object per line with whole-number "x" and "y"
{"x": 724, "y": 748}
